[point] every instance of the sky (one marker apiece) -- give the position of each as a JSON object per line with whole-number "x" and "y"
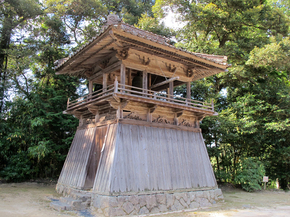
{"x": 170, "y": 20}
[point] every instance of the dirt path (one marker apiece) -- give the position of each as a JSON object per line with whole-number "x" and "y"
{"x": 28, "y": 200}
{"x": 32, "y": 200}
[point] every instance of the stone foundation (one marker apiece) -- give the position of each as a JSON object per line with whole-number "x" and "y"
{"x": 154, "y": 203}
{"x": 68, "y": 191}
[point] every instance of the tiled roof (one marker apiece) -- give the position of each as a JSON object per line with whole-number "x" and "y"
{"x": 221, "y": 60}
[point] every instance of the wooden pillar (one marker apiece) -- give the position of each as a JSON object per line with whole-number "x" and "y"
{"x": 123, "y": 76}
{"x": 171, "y": 88}
{"x": 90, "y": 88}
{"x": 149, "y": 117}
{"x": 145, "y": 82}
{"x": 81, "y": 121}
{"x": 188, "y": 92}
{"x": 149, "y": 85}
{"x": 105, "y": 82}
{"x": 119, "y": 112}
{"x": 150, "y": 112}
{"x": 149, "y": 80}
{"x": 97, "y": 116}
{"x": 176, "y": 121}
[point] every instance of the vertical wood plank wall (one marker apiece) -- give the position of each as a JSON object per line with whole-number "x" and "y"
{"x": 106, "y": 160}
{"x": 82, "y": 160}
{"x": 95, "y": 155}
{"x": 140, "y": 158}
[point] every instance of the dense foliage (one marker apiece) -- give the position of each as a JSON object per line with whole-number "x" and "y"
{"x": 252, "y": 98}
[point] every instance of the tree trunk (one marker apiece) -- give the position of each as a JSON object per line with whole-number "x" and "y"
{"x": 4, "y": 46}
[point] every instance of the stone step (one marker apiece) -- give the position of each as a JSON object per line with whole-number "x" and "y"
{"x": 71, "y": 201}
{"x": 81, "y": 196}
{"x": 60, "y": 206}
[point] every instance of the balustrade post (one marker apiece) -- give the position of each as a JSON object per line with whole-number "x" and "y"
{"x": 116, "y": 85}
{"x": 67, "y": 104}
{"x": 212, "y": 105}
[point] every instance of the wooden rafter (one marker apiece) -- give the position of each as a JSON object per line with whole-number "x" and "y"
{"x": 109, "y": 69}
{"x": 164, "y": 82}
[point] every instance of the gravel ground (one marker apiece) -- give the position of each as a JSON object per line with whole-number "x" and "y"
{"x": 32, "y": 200}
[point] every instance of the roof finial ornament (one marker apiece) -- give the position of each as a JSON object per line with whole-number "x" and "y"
{"x": 113, "y": 19}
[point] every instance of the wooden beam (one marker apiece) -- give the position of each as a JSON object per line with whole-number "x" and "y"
{"x": 164, "y": 82}
{"x": 107, "y": 70}
{"x": 77, "y": 114}
{"x": 152, "y": 108}
{"x": 178, "y": 112}
{"x": 165, "y": 50}
{"x": 124, "y": 103}
{"x": 68, "y": 64}
{"x": 93, "y": 109}
{"x": 142, "y": 99}
{"x": 154, "y": 69}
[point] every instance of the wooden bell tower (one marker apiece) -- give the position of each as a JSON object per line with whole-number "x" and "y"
{"x": 139, "y": 148}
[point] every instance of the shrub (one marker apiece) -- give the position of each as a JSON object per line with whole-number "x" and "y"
{"x": 250, "y": 174}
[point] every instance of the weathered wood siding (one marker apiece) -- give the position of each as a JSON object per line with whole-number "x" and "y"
{"x": 141, "y": 158}
{"x": 75, "y": 169}
{"x": 95, "y": 155}
{"x": 104, "y": 171}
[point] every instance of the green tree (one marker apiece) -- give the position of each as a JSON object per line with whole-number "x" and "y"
{"x": 35, "y": 131}
{"x": 13, "y": 18}
{"x": 252, "y": 96}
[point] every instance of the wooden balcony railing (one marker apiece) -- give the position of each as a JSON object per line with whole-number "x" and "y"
{"x": 127, "y": 90}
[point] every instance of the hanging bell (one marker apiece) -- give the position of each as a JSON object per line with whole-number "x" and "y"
{"x": 137, "y": 81}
